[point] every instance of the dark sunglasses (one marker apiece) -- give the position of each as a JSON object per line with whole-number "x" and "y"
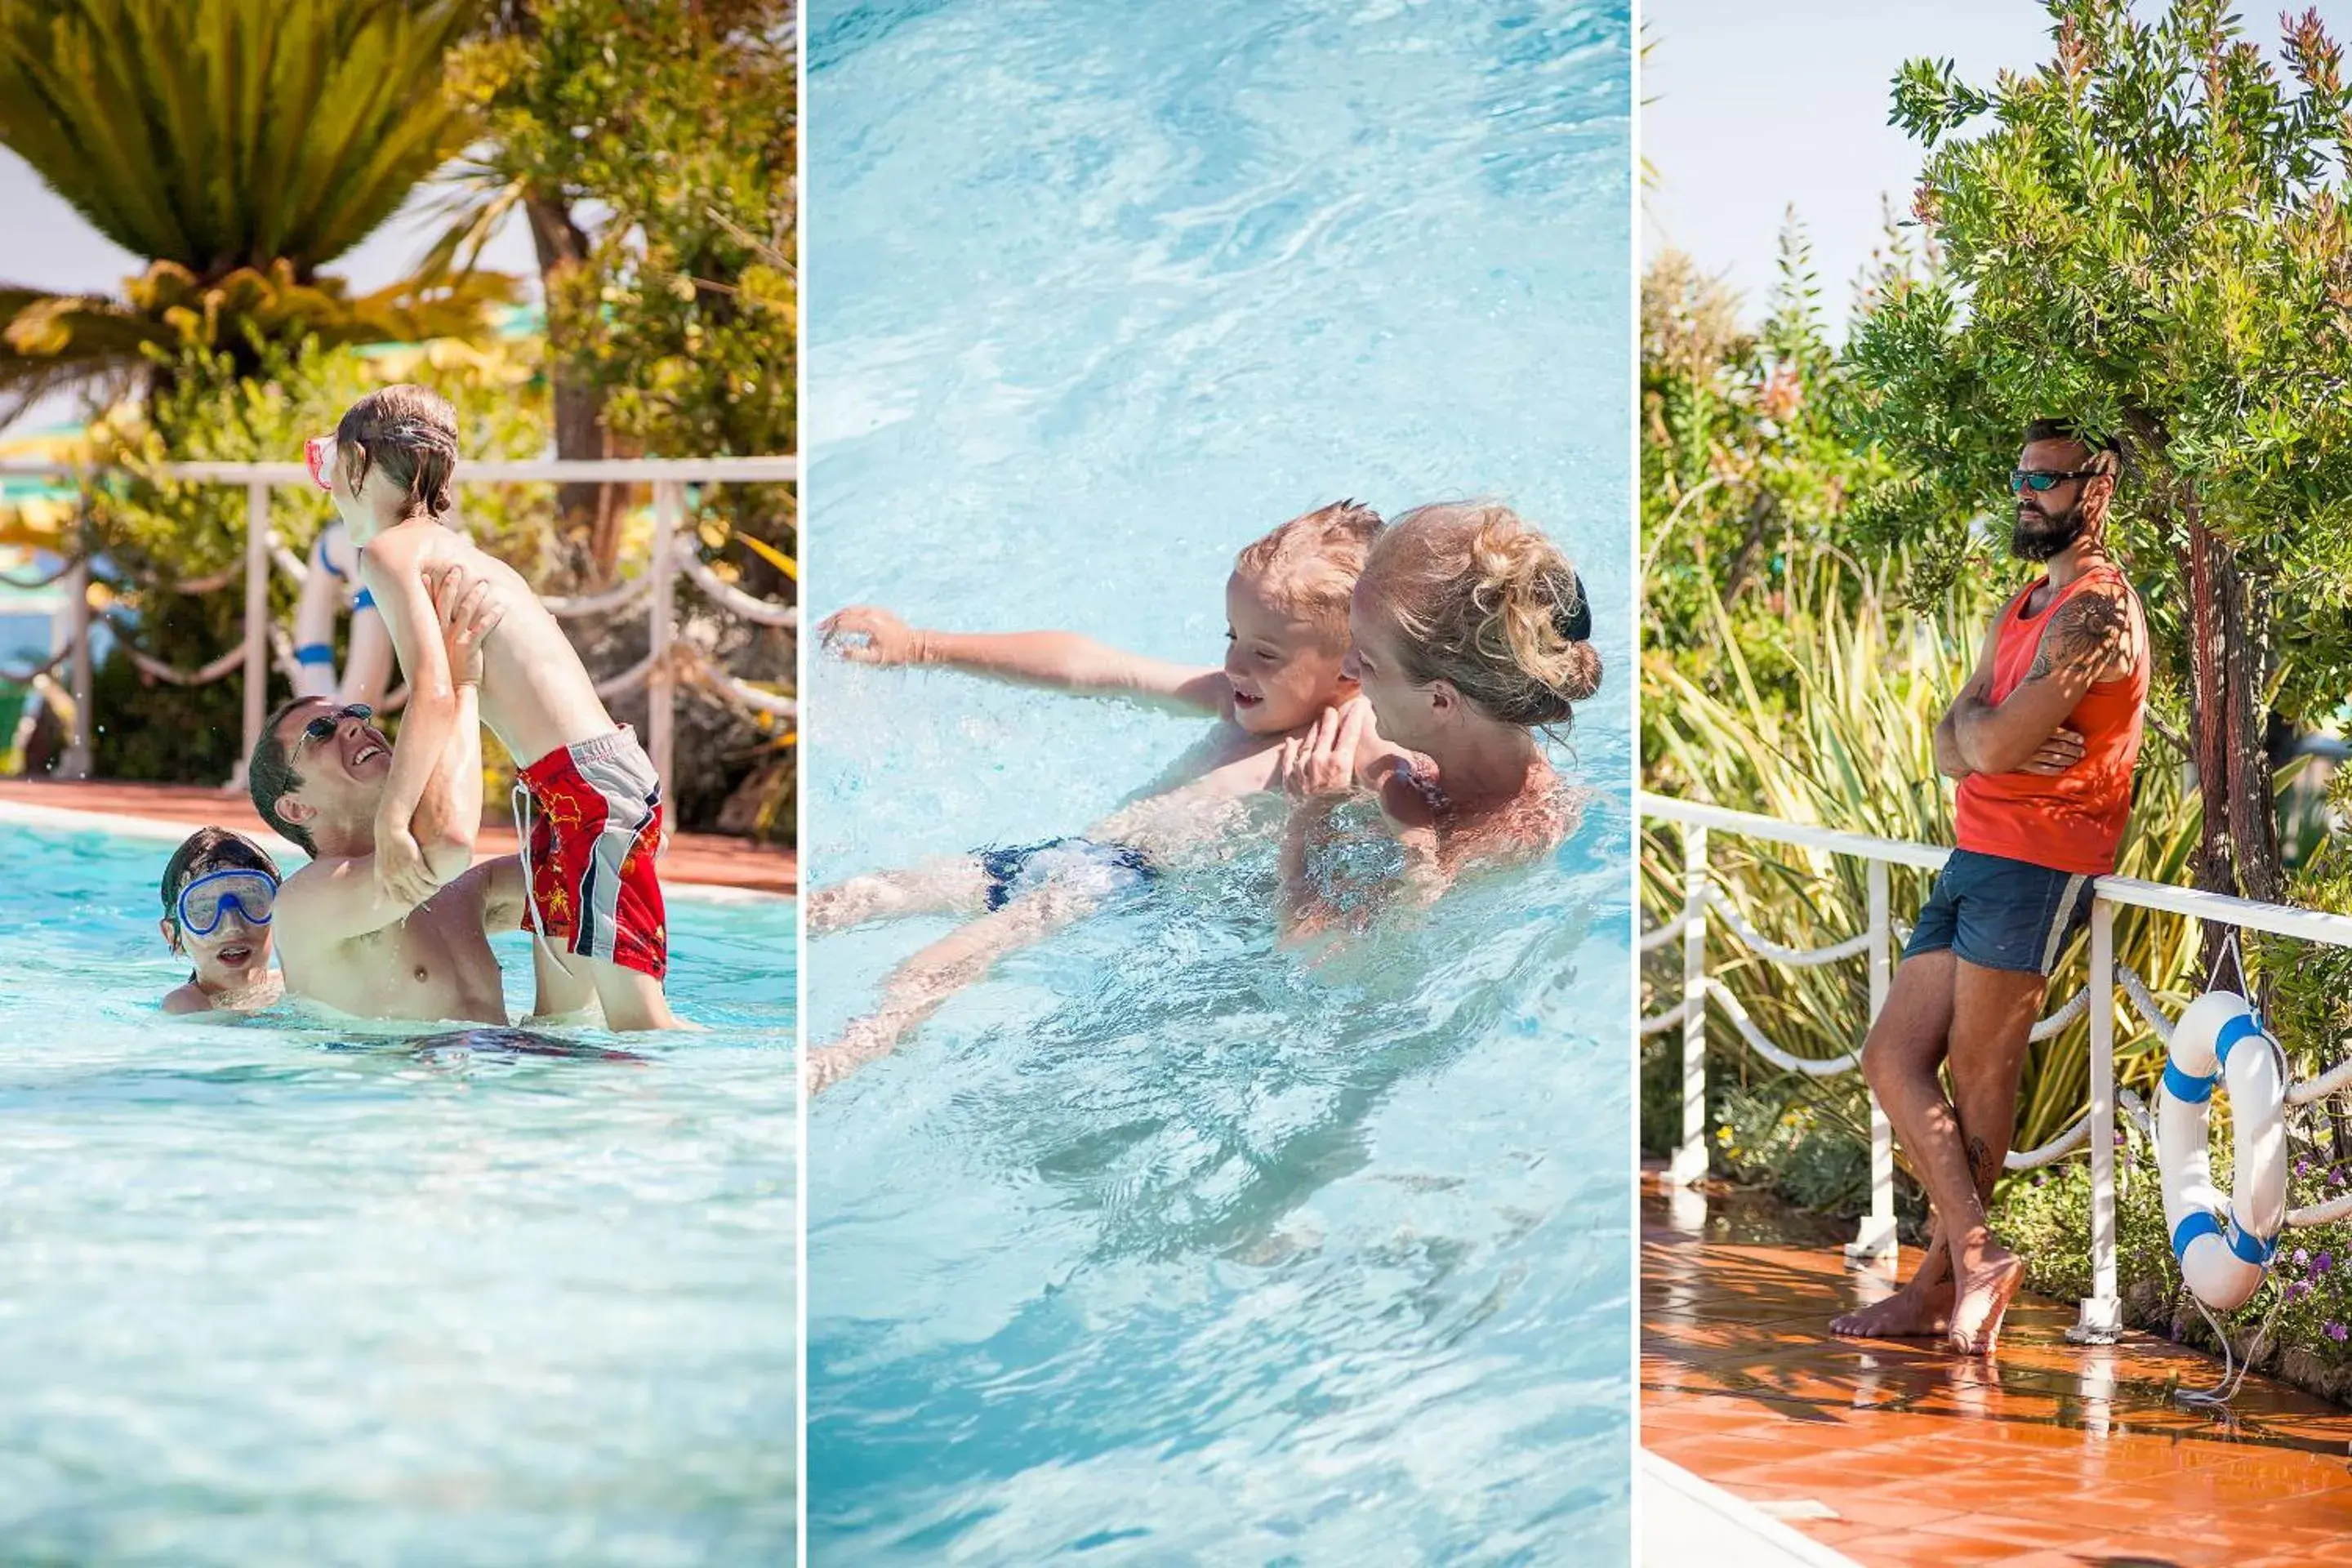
{"x": 326, "y": 724}
{"x": 2040, "y": 479}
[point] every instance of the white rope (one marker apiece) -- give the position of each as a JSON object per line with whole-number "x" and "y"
{"x": 2143, "y": 1002}
{"x": 281, "y": 653}
{"x": 295, "y": 568}
{"x": 1654, "y": 940}
{"x": 1765, "y": 947}
{"x": 727, "y": 686}
{"x": 2334, "y": 1208}
{"x": 1812, "y": 1067}
{"x": 2076, "y": 1005}
{"x": 2323, "y": 1086}
{"x": 2136, "y": 1112}
{"x": 2050, "y": 1154}
{"x": 628, "y": 680}
{"x": 1659, "y": 1023}
{"x": 749, "y": 605}
{"x": 614, "y": 598}
{"x": 173, "y": 675}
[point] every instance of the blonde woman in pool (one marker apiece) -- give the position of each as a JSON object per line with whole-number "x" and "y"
{"x": 1470, "y": 632}
{"x": 1286, "y": 653}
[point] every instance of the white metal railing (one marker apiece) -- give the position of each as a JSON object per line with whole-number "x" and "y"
{"x": 672, "y": 555}
{"x": 2101, "y": 1314}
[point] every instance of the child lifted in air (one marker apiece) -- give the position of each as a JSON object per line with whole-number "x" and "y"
{"x": 590, "y": 813}
{"x": 218, "y": 891}
{"x": 1470, "y": 631}
{"x": 1285, "y": 646}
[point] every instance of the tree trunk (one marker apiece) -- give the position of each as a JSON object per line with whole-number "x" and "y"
{"x": 589, "y": 510}
{"x": 2239, "y": 851}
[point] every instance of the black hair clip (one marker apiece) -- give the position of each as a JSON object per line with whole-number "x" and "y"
{"x": 1575, "y": 621}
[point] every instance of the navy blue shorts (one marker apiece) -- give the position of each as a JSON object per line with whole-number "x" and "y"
{"x": 1013, "y": 871}
{"x": 1999, "y": 914}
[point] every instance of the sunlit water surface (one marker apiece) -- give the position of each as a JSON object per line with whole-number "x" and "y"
{"x": 277, "y": 1290}
{"x": 1161, "y": 1245}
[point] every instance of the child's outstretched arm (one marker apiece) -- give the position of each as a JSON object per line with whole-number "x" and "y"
{"x": 1057, "y": 661}
{"x": 432, "y": 721}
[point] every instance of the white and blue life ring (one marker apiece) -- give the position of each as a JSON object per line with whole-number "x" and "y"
{"x": 2224, "y": 1248}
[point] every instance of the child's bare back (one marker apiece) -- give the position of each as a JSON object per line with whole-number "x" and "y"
{"x": 536, "y": 696}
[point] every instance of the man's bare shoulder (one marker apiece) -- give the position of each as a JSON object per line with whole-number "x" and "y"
{"x": 2095, "y": 632}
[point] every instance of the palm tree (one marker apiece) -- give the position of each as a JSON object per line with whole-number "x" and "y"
{"x": 239, "y": 145}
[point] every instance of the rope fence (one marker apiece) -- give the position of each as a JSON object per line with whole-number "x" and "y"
{"x": 2098, "y": 1127}
{"x": 667, "y": 664}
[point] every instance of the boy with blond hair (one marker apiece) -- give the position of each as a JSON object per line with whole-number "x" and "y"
{"x": 1286, "y": 665}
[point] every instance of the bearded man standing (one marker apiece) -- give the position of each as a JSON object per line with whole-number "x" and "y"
{"x": 2043, "y": 740}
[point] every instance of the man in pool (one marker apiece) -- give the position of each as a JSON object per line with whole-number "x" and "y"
{"x": 2043, "y": 740}
{"x": 218, "y": 889}
{"x": 344, "y": 938}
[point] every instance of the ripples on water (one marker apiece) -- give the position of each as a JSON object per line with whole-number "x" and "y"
{"x": 277, "y": 1290}
{"x": 1161, "y": 1245}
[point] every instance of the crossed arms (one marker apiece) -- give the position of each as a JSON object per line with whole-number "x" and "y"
{"x": 1057, "y": 661}
{"x": 2092, "y": 636}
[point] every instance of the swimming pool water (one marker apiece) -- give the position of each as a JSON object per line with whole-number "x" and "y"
{"x": 1161, "y": 1245}
{"x": 277, "y": 1290}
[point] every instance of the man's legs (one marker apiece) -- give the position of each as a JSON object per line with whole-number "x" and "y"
{"x": 1909, "y": 1041}
{"x": 1919, "y": 1030}
{"x": 1993, "y": 1013}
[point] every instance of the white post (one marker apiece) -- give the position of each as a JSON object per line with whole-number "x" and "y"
{"x": 77, "y": 763}
{"x": 1689, "y": 1162}
{"x": 661, "y": 686}
{"x": 1876, "y": 1242}
{"x": 2102, "y": 1314}
{"x": 257, "y": 623}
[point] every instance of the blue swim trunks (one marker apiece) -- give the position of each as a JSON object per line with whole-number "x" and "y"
{"x": 1999, "y": 914}
{"x": 1013, "y": 871}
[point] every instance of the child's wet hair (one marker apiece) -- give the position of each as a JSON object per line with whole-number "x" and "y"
{"x": 1486, "y": 603}
{"x": 1309, "y": 564}
{"x": 209, "y": 849}
{"x": 410, "y": 433}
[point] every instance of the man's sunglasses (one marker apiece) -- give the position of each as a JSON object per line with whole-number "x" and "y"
{"x": 324, "y": 726}
{"x": 2037, "y": 480}
{"x": 319, "y": 456}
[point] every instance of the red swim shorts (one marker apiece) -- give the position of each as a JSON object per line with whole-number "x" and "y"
{"x": 590, "y": 830}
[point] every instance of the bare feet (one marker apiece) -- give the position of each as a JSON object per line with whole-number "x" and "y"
{"x": 1911, "y": 1313}
{"x": 1987, "y": 1282}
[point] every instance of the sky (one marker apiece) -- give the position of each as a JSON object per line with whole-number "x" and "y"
{"x": 1749, "y": 108}
{"x": 46, "y": 243}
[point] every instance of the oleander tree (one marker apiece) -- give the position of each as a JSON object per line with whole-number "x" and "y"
{"x": 2147, "y": 234}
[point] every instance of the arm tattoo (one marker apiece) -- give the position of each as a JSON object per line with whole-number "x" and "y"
{"x": 2090, "y": 632}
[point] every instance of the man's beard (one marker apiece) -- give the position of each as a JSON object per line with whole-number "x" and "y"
{"x": 2035, "y": 536}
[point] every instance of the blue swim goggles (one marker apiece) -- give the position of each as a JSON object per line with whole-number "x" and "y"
{"x": 203, "y": 901}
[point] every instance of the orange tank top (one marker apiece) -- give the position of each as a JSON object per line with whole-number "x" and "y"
{"x": 2074, "y": 821}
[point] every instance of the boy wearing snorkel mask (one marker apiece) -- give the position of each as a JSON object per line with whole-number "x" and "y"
{"x": 218, "y": 891}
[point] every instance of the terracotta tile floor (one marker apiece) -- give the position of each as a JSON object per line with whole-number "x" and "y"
{"x": 2055, "y": 1454}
